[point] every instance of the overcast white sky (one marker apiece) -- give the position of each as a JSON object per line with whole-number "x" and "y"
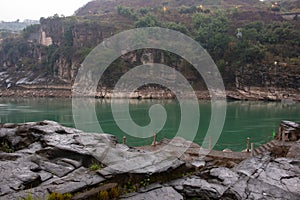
{"x": 11, "y": 10}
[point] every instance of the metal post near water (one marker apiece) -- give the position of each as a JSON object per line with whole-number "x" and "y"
{"x": 210, "y": 143}
{"x": 124, "y": 139}
{"x": 252, "y": 149}
{"x": 154, "y": 140}
{"x": 248, "y": 144}
{"x": 279, "y": 130}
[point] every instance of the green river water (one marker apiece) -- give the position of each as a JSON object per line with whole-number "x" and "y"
{"x": 257, "y": 120}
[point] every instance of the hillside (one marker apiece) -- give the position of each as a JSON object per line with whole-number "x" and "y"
{"x": 108, "y": 6}
{"x": 244, "y": 37}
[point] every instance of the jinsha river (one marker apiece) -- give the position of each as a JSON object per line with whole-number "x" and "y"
{"x": 257, "y": 120}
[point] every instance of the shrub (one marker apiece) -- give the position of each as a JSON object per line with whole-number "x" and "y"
{"x": 28, "y": 197}
{"x": 103, "y": 195}
{"x": 58, "y": 196}
{"x": 4, "y": 147}
{"x": 114, "y": 193}
{"x": 95, "y": 167}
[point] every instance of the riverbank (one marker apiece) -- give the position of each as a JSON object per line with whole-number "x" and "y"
{"x": 44, "y": 159}
{"x": 64, "y": 91}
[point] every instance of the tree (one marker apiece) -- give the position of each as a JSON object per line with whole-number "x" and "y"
{"x": 127, "y": 12}
{"x": 176, "y": 27}
{"x": 147, "y": 21}
{"x": 144, "y": 11}
{"x": 211, "y": 32}
{"x": 31, "y": 29}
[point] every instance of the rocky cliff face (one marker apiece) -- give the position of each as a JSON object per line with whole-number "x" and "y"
{"x": 268, "y": 76}
{"x": 55, "y": 49}
{"x": 74, "y": 40}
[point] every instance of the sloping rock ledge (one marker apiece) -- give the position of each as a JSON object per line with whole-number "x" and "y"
{"x": 42, "y": 158}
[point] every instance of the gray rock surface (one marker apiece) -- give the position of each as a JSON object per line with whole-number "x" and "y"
{"x": 195, "y": 186}
{"x": 49, "y": 158}
{"x": 166, "y": 193}
{"x": 255, "y": 178}
{"x": 294, "y": 151}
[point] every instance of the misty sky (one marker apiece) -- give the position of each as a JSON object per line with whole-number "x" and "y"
{"x": 11, "y": 10}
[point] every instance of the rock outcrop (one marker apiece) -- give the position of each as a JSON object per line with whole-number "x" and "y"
{"x": 51, "y": 158}
{"x": 44, "y": 158}
{"x": 256, "y": 178}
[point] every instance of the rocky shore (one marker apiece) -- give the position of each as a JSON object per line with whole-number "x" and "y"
{"x": 43, "y": 92}
{"x": 44, "y": 160}
{"x": 251, "y": 93}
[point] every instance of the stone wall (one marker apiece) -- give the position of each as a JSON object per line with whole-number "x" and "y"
{"x": 288, "y": 131}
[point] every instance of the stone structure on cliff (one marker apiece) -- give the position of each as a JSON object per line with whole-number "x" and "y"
{"x": 46, "y": 41}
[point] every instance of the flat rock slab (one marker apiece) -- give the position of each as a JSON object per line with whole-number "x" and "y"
{"x": 143, "y": 164}
{"x": 17, "y": 175}
{"x": 76, "y": 181}
{"x": 58, "y": 170}
{"x": 165, "y": 193}
{"x": 195, "y": 186}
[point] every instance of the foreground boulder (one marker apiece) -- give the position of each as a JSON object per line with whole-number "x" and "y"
{"x": 45, "y": 157}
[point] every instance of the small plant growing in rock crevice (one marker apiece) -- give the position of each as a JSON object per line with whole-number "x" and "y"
{"x": 95, "y": 167}
{"x": 58, "y": 196}
{"x": 145, "y": 182}
{"x": 28, "y": 197}
{"x": 130, "y": 187}
{"x": 4, "y": 147}
{"x": 103, "y": 195}
{"x": 114, "y": 193}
